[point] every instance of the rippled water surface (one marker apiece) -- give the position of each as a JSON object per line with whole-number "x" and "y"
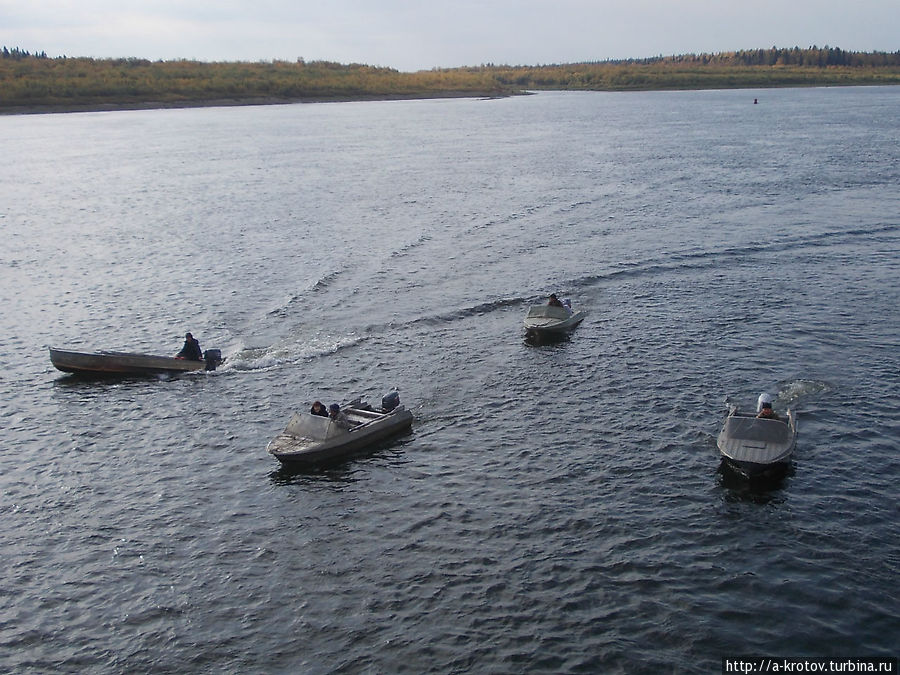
{"x": 557, "y": 507}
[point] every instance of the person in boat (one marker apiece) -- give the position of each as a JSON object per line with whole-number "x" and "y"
{"x": 338, "y": 417}
{"x": 318, "y": 408}
{"x": 766, "y": 412}
{"x": 554, "y": 301}
{"x": 191, "y": 350}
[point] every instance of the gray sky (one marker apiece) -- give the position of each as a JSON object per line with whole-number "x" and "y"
{"x": 414, "y": 35}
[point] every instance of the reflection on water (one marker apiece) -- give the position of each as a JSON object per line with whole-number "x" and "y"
{"x": 536, "y": 339}
{"x": 72, "y": 379}
{"x": 297, "y": 475}
{"x": 760, "y": 489}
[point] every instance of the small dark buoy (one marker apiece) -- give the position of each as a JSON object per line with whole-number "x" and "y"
{"x": 755, "y": 101}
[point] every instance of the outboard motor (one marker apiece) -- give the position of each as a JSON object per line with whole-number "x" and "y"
{"x": 764, "y": 398}
{"x": 390, "y": 401}
{"x": 212, "y": 357}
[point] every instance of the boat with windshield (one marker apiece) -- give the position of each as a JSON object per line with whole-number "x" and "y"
{"x": 757, "y": 443}
{"x": 309, "y": 439}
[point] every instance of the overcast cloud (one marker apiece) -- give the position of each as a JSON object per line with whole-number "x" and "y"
{"x": 414, "y": 35}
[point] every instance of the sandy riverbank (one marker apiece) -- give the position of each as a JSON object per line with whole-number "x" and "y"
{"x": 229, "y": 102}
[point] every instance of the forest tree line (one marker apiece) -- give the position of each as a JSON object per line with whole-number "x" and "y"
{"x": 813, "y": 57}
{"x": 34, "y": 81}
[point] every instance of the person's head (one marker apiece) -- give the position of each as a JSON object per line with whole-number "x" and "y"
{"x": 553, "y": 296}
{"x": 334, "y": 409}
{"x": 188, "y": 336}
{"x": 766, "y": 406}
{"x": 318, "y": 405}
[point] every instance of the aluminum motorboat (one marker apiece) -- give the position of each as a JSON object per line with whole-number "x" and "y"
{"x": 124, "y": 363}
{"x": 309, "y": 440}
{"x": 552, "y": 319}
{"x": 754, "y": 445}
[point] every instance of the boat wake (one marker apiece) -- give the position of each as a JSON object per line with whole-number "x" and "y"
{"x": 407, "y": 248}
{"x": 691, "y": 260}
{"x": 290, "y": 351}
{"x": 791, "y": 393}
{"x": 469, "y": 312}
{"x": 283, "y": 308}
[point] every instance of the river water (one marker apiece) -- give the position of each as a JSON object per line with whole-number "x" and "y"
{"x": 557, "y": 507}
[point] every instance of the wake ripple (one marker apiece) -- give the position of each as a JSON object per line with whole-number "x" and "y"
{"x": 692, "y": 260}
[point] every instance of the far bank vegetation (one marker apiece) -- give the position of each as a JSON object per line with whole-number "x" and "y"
{"x": 34, "y": 81}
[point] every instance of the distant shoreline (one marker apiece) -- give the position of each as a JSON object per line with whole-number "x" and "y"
{"x": 46, "y": 109}
{"x": 35, "y": 84}
{"x": 49, "y": 109}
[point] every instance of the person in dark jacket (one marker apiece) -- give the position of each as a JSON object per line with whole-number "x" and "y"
{"x": 191, "y": 350}
{"x": 766, "y": 412}
{"x": 318, "y": 409}
{"x": 338, "y": 417}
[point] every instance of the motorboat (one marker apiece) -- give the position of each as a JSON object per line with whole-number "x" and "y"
{"x": 754, "y": 445}
{"x": 124, "y": 363}
{"x": 552, "y": 319}
{"x": 310, "y": 440}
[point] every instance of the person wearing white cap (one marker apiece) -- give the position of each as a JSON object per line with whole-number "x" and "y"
{"x": 764, "y": 407}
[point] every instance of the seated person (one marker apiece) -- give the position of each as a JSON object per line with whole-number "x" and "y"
{"x": 338, "y": 417}
{"x": 554, "y": 301}
{"x": 191, "y": 350}
{"x": 766, "y": 412}
{"x": 318, "y": 409}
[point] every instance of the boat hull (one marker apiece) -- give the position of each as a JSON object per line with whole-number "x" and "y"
{"x": 549, "y": 320}
{"x": 756, "y": 447}
{"x": 753, "y": 470}
{"x": 307, "y": 441}
{"x": 120, "y": 363}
